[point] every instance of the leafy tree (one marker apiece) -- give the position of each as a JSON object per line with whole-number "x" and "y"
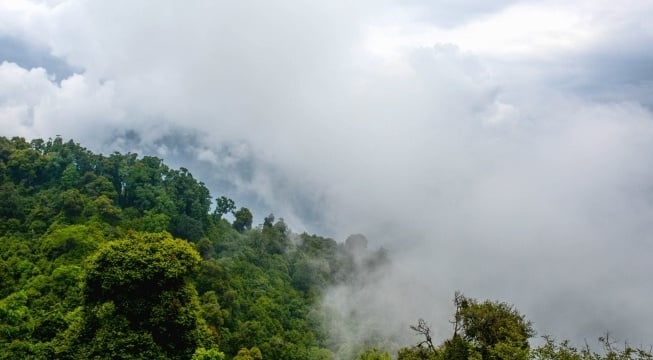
{"x": 563, "y": 350}
{"x": 11, "y": 203}
{"x": 495, "y": 329}
{"x": 224, "y": 206}
{"x": 487, "y": 330}
{"x": 25, "y": 166}
{"x": 373, "y": 354}
{"x": 249, "y": 354}
{"x": 139, "y": 286}
{"x": 185, "y": 227}
{"x": 104, "y": 208}
{"x": 70, "y": 243}
{"x": 15, "y": 316}
{"x": 243, "y": 219}
{"x": 70, "y": 177}
{"x": 420, "y": 353}
{"x": 96, "y": 186}
{"x": 72, "y": 203}
{"x": 190, "y": 197}
{"x": 208, "y": 354}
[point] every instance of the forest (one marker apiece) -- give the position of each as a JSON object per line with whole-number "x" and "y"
{"x": 122, "y": 257}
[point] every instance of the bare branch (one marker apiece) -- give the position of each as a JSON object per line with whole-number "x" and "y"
{"x": 424, "y": 329}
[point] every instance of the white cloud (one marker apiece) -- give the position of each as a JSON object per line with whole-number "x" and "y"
{"x": 34, "y": 105}
{"x": 21, "y": 92}
{"x": 528, "y": 29}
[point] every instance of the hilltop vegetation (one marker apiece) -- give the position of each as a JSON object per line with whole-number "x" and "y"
{"x": 121, "y": 257}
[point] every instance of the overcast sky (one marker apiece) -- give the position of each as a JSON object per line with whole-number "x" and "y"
{"x": 501, "y": 148}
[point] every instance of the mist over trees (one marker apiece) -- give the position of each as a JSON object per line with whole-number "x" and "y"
{"x": 121, "y": 257}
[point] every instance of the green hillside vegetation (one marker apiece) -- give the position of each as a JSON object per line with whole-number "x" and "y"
{"x": 121, "y": 257}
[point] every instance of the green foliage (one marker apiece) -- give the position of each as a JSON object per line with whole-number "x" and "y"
{"x": 495, "y": 329}
{"x": 208, "y": 354}
{"x": 70, "y": 243}
{"x": 106, "y": 333}
{"x": 488, "y": 330}
{"x": 420, "y": 353}
{"x": 70, "y": 178}
{"x": 558, "y": 351}
{"x": 11, "y": 203}
{"x": 98, "y": 186}
{"x": 373, "y": 354}
{"x": 563, "y": 350}
{"x": 25, "y": 166}
{"x": 457, "y": 348}
{"x": 15, "y": 316}
{"x": 106, "y": 211}
{"x": 138, "y": 286}
{"x": 186, "y": 227}
{"x": 243, "y": 219}
{"x": 249, "y": 354}
{"x": 224, "y": 205}
{"x": 149, "y": 260}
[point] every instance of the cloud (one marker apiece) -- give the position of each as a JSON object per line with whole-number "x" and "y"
{"x": 484, "y": 148}
{"x": 33, "y": 104}
{"x": 28, "y": 57}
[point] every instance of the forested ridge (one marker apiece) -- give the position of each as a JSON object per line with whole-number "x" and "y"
{"x": 121, "y": 257}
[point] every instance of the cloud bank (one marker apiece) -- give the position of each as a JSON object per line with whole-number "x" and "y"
{"x": 502, "y": 149}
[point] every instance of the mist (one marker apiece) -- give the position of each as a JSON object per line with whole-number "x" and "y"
{"x": 502, "y": 150}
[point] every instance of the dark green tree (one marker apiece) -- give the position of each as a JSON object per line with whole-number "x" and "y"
{"x": 489, "y": 331}
{"x": 373, "y": 354}
{"x": 249, "y": 354}
{"x": 243, "y": 219}
{"x": 224, "y": 205}
{"x": 139, "y": 288}
{"x": 495, "y": 329}
{"x": 208, "y": 354}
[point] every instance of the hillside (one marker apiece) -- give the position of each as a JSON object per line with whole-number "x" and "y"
{"x": 87, "y": 244}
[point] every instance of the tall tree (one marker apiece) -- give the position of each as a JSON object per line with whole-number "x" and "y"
{"x": 224, "y": 205}
{"x": 486, "y": 330}
{"x": 137, "y": 295}
{"x": 243, "y": 219}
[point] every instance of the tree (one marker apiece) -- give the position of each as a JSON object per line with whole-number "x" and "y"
{"x": 224, "y": 205}
{"x": 11, "y": 203}
{"x": 487, "y": 330}
{"x": 249, "y": 354}
{"x": 373, "y": 354}
{"x": 495, "y": 329}
{"x": 138, "y": 287}
{"x": 563, "y": 350}
{"x": 25, "y": 166}
{"x": 208, "y": 354}
{"x": 70, "y": 177}
{"x": 72, "y": 203}
{"x": 185, "y": 227}
{"x": 243, "y": 219}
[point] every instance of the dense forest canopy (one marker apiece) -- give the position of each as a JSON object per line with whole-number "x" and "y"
{"x": 121, "y": 257}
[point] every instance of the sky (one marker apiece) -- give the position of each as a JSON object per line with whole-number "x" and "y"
{"x": 500, "y": 148}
